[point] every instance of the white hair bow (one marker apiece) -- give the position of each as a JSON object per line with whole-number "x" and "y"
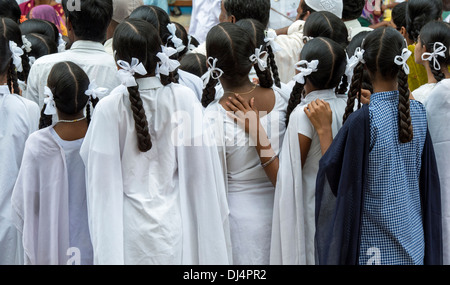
{"x": 310, "y": 68}
{"x": 126, "y": 74}
{"x": 260, "y": 57}
{"x": 166, "y": 65}
{"x": 17, "y": 52}
{"x": 61, "y": 43}
{"x": 26, "y": 44}
{"x": 438, "y": 50}
{"x": 271, "y": 35}
{"x": 401, "y": 60}
{"x": 353, "y": 61}
{"x": 213, "y": 71}
{"x": 96, "y": 92}
{"x": 32, "y": 60}
{"x": 49, "y": 101}
{"x": 178, "y": 43}
{"x": 191, "y": 47}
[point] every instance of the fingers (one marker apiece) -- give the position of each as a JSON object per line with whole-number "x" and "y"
{"x": 243, "y": 102}
{"x": 236, "y": 103}
{"x": 232, "y": 107}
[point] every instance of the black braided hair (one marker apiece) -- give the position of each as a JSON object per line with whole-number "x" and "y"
{"x": 419, "y": 13}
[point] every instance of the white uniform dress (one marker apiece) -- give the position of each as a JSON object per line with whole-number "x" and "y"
{"x": 19, "y": 118}
{"x": 421, "y": 94}
{"x": 165, "y": 206}
{"x": 438, "y": 117}
{"x": 250, "y": 192}
{"x": 205, "y": 15}
{"x": 294, "y": 207}
{"x": 49, "y": 202}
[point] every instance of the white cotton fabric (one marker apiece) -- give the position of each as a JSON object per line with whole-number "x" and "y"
{"x": 165, "y": 206}
{"x": 204, "y": 16}
{"x": 294, "y": 207}
{"x": 438, "y": 117}
{"x": 250, "y": 192}
{"x": 191, "y": 81}
{"x": 49, "y": 202}
{"x": 19, "y": 118}
{"x": 421, "y": 94}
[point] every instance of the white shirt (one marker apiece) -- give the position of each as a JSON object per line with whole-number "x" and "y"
{"x": 354, "y": 27}
{"x": 165, "y": 206}
{"x": 288, "y": 8}
{"x": 421, "y": 94}
{"x": 205, "y": 15}
{"x": 108, "y": 46}
{"x": 90, "y": 56}
{"x": 294, "y": 207}
{"x": 191, "y": 81}
{"x": 19, "y": 118}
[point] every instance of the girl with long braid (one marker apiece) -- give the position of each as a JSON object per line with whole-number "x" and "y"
{"x": 155, "y": 188}
{"x": 377, "y": 192}
{"x": 436, "y": 38}
{"x": 231, "y": 55}
{"x": 19, "y": 118}
{"x": 51, "y": 183}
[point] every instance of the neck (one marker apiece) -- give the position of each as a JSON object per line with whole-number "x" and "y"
{"x": 237, "y": 87}
{"x": 71, "y": 131}
{"x": 446, "y": 72}
{"x": 384, "y": 85}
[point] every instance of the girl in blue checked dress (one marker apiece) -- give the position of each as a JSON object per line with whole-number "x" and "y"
{"x": 377, "y": 192}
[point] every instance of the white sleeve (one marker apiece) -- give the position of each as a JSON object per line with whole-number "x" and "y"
{"x": 33, "y": 81}
{"x": 304, "y": 125}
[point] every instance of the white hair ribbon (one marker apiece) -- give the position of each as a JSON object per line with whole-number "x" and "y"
{"x": 96, "y": 92}
{"x": 166, "y": 65}
{"x": 306, "y": 39}
{"x": 353, "y": 61}
{"x": 401, "y": 60}
{"x": 359, "y": 54}
{"x": 310, "y": 68}
{"x": 32, "y": 60}
{"x": 178, "y": 43}
{"x": 260, "y": 57}
{"x": 17, "y": 52}
{"x": 438, "y": 50}
{"x": 49, "y": 101}
{"x": 213, "y": 71}
{"x": 61, "y": 43}
{"x": 26, "y": 44}
{"x": 191, "y": 47}
{"x": 126, "y": 74}
{"x": 271, "y": 35}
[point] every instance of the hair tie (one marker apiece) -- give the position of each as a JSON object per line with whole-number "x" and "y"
{"x": 17, "y": 52}
{"x": 49, "y": 101}
{"x": 271, "y": 35}
{"x": 95, "y": 92}
{"x": 310, "y": 68}
{"x": 166, "y": 65}
{"x": 401, "y": 60}
{"x": 439, "y": 49}
{"x": 32, "y": 60}
{"x": 61, "y": 43}
{"x": 26, "y": 44}
{"x": 177, "y": 42}
{"x": 213, "y": 71}
{"x": 127, "y": 71}
{"x": 353, "y": 61}
{"x": 191, "y": 47}
{"x": 260, "y": 58}
{"x": 306, "y": 39}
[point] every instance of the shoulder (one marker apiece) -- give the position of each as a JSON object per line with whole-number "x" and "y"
{"x": 41, "y": 144}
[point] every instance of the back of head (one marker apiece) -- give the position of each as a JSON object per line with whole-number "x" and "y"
{"x": 68, "y": 84}
{"x": 123, "y": 8}
{"x": 331, "y": 63}
{"x": 399, "y": 15}
{"x": 41, "y": 45}
{"x": 420, "y": 12}
{"x": 42, "y": 27}
{"x": 157, "y": 17}
{"x": 352, "y": 9}
{"x": 91, "y": 19}
{"x": 194, "y": 63}
{"x": 245, "y": 9}
{"x": 326, "y": 24}
{"x": 435, "y": 36}
{"x": 5, "y": 55}
{"x": 10, "y": 9}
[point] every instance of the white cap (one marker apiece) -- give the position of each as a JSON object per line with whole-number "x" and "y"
{"x": 333, "y": 6}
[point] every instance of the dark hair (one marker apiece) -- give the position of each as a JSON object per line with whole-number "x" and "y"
{"x": 135, "y": 38}
{"x": 194, "y": 63}
{"x": 326, "y": 24}
{"x": 431, "y": 33}
{"x": 356, "y": 42}
{"x": 258, "y": 34}
{"x": 68, "y": 83}
{"x": 399, "y": 15}
{"x": 11, "y": 31}
{"x": 330, "y": 70}
{"x": 42, "y": 27}
{"x": 381, "y": 46}
{"x": 91, "y": 21}
{"x": 420, "y": 12}
{"x": 352, "y": 9}
{"x": 232, "y": 46}
{"x": 10, "y": 9}
{"x": 305, "y": 10}
{"x": 6, "y": 65}
{"x": 255, "y": 9}
{"x": 41, "y": 45}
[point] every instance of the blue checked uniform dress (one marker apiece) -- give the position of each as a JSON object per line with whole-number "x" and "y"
{"x": 392, "y": 229}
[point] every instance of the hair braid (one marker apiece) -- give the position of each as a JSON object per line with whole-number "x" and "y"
{"x": 294, "y": 100}
{"x": 355, "y": 90}
{"x": 405, "y": 130}
{"x": 264, "y": 76}
{"x": 273, "y": 66}
{"x": 209, "y": 92}
{"x": 26, "y": 67}
{"x": 88, "y": 108}
{"x": 12, "y": 79}
{"x": 45, "y": 120}
{"x": 344, "y": 85}
{"x": 140, "y": 120}
{"x": 438, "y": 75}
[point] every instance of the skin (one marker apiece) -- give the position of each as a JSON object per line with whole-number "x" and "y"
{"x": 71, "y": 131}
{"x": 419, "y": 49}
{"x": 223, "y": 17}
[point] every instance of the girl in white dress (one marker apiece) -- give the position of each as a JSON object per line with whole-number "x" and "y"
{"x": 49, "y": 198}
{"x": 19, "y": 118}
{"x": 155, "y": 190}
{"x": 231, "y": 55}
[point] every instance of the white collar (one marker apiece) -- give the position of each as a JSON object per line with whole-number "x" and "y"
{"x": 149, "y": 83}
{"x": 319, "y": 94}
{"x": 4, "y": 89}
